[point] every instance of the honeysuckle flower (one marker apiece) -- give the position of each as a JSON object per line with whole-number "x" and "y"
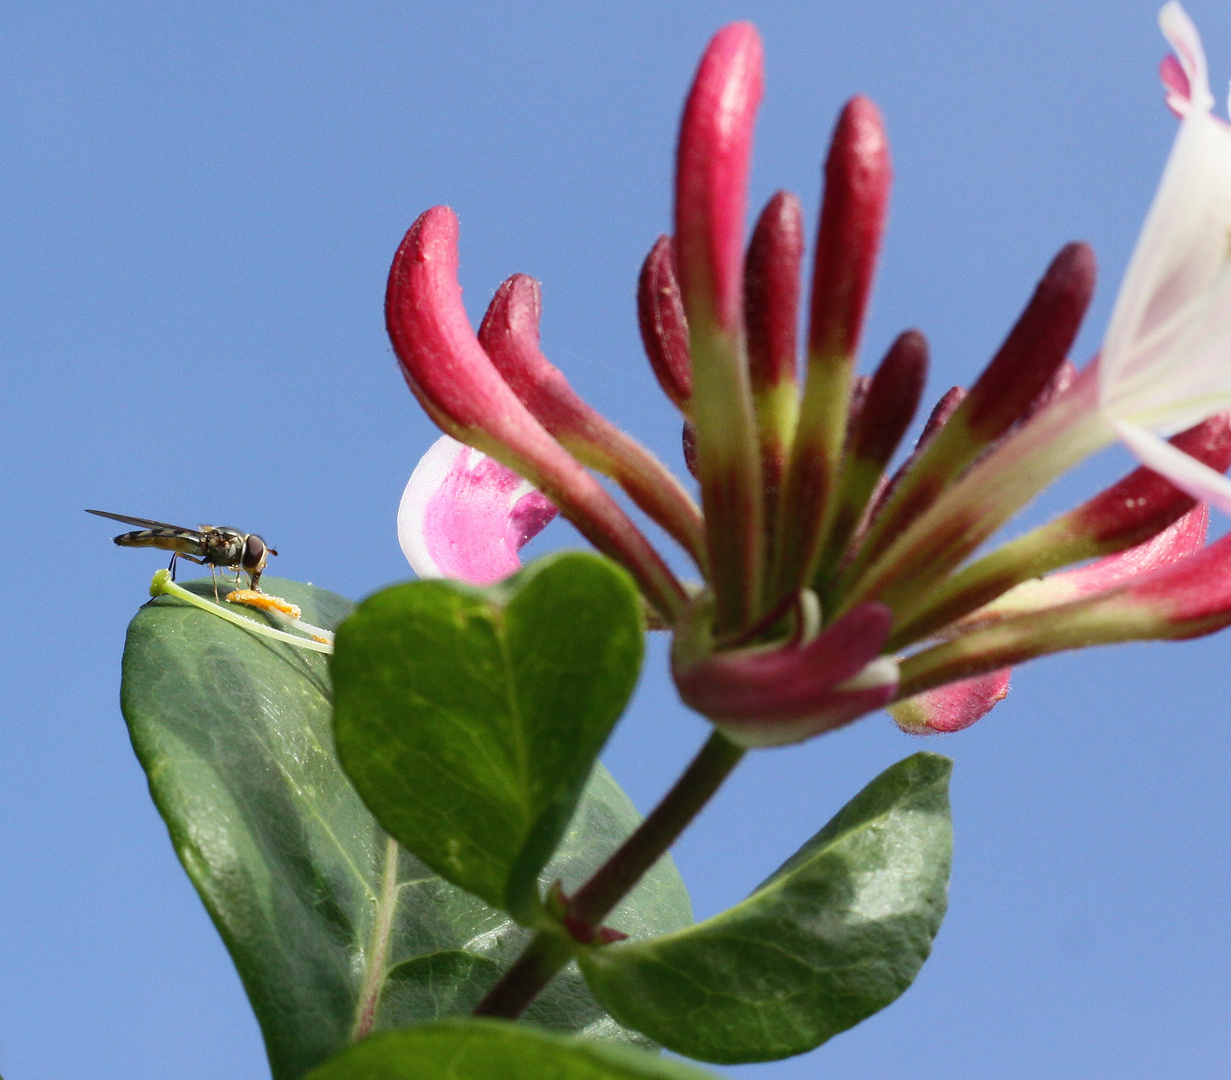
{"x": 831, "y": 586}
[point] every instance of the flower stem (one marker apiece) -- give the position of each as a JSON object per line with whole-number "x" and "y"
{"x": 549, "y": 951}
{"x": 546, "y": 954}
{"x": 612, "y": 880}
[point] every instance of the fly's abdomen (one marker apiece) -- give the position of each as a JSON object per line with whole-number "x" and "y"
{"x": 167, "y": 539}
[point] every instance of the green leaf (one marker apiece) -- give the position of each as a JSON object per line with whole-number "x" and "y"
{"x": 496, "y": 1050}
{"x": 315, "y": 905}
{"x": 468, "y": 719}
{"x": 838, "y": 932}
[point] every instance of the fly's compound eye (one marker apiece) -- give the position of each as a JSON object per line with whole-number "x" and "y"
{"x": 254, "y": 555}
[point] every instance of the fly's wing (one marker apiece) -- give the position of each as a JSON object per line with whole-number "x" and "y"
{"x": 157, "y": 534}
{"x": 144, "y": 523}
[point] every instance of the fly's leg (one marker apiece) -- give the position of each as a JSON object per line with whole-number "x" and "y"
{"x": 180, "y": 555}
{"x": 191, "y": 559}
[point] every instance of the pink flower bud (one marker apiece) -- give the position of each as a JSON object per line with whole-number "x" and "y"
{"x": 904, "y": 569}
{"x": 771, "y": 311}
{"x": 715, "y": 149}
{"x": 853, "y": 208}
{"x": 937, "y": 418}
{"x": 891, "y": 400}
{"x": 1035, "y": 349}
{"x": 711, "y": 180}
{"x": 771, "y": 292}
{"x": 880, "y": 414}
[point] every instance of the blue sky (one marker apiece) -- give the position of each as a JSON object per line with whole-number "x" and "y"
{"x": 200, "y": 204}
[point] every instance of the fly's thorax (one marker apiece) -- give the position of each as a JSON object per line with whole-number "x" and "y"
{"x": 221, "y": 546}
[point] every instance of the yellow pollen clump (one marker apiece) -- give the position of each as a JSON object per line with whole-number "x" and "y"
{"x": 252, "y": 598}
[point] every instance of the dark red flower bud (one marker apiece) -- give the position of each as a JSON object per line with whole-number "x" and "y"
{"x": 771, "y": 293}
{"x": 664, "y": 326}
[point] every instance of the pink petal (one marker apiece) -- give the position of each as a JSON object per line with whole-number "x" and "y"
{"x": 1178, "y": 540}
{"x": 1177, "y": 91}
{"x": 952, "y": 707}
{"x": 463, "y": 515}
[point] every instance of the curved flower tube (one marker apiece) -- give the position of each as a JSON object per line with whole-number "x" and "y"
{"x": 1169, "y": 588}
{"x": 455, "y": 380}
{"x": 956, "y": 705}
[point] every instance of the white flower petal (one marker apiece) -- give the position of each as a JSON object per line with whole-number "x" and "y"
{"x": 1166, "y": 358}
{"x": 1177, "y": 285}
{"x": 1187, "y": 473}
{"x": 463, "y": 515}
{"x": 1179, "y": 30}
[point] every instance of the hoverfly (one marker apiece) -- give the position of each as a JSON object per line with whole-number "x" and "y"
{"x": 210, "y": 545}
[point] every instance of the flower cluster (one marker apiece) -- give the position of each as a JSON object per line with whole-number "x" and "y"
{"x": 833, "y": 585}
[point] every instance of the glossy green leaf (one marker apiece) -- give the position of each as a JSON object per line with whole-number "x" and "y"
{"x": 468, "y": 719}
{"x": 838, "y": 932}
{"x": 496, "y": 1050}
{"x": 315, "y": 904}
